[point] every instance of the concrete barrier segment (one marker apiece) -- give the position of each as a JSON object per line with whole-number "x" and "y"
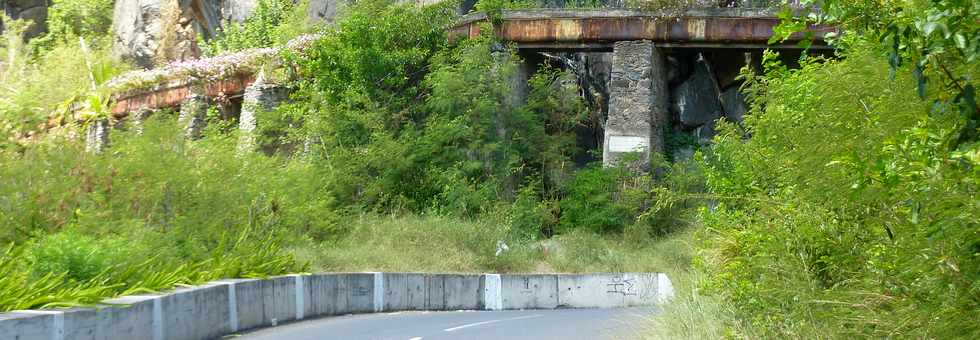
{"x": 32, "y": 325}
{"x": 196, "y": 312}
{"x": 229, "y": 306}
{"x": 130, "y": 317}
{"x": 529, "y": 291}
{"x": 82, "y": 323}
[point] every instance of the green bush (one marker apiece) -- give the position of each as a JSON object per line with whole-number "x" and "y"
{"x": 39, "y": 88}
{"x": 70, "y": 19}
{"x": 845, "y": 214}
{"x": 603, "y": 200}
{"x": 271, "y": 23}
{"x": 80, "y": 256}
{"x": 407, "y": 122}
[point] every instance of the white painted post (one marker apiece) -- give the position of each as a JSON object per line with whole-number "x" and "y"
{"x": 157, "y": 319}
{"x": 300, "y": 303}
{"x": 665, "y": 289}
{"x": 492, "y": 298}
{"x": 232, "y": 307}
{"x": 379, "y": 292}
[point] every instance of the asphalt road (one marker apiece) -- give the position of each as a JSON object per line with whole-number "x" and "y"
{"x": 530, "y": 324}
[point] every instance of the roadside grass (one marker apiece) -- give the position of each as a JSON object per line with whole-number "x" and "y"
{"x": 416, "y": 243}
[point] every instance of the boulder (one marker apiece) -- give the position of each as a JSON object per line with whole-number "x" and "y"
{"x": 322, "y": 10}
{"x": 734, "y": 104}
{"x": 678, "y": 69}
{"x": 696, "y": 100}
{"x": 35, "y": 11}
{"x": 706, "y": 132}
{"x": 238, "y": 10}
{"x": 727, "y": 66}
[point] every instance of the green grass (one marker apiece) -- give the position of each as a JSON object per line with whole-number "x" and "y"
{"x": 447, "y": 244}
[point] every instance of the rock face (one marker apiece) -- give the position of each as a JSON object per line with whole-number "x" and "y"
{"x": 322, "y": 10}
{"x": 35, "y": 11}
{"x": 237, "y": 10}
{"x": 734, "y": 104}
{"x": 696, "y": 101}
{"x": 136, "y": 28}
{"x": 138, "y": 24}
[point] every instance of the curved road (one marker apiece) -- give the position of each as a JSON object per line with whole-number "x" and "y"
{"x": 518, "y": 324}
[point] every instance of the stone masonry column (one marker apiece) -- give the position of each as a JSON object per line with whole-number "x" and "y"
{"x": 259, "y": 97}
{"x": 139, "y": 119}
{"x": 638, "y": 97}
{"x": 97, "y": 136}
{"x": 193, "y": 112}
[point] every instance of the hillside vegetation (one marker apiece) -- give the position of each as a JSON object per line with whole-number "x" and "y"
{"x": 845, "y": 205}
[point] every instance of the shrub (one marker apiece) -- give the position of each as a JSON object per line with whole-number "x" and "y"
{"x": 272, "y": 22}
{"x": 844, "y": 214}
{"x": 603, "y": 199}
{"x": 70, "y": 19}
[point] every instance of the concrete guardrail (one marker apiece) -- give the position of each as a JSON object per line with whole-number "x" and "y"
{"x": 229, "y": 306}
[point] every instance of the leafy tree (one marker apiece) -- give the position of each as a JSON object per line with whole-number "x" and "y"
{"x": 940, "y": 39}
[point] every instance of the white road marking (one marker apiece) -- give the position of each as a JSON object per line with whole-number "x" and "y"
{"x": 416, "y": 338}
{"x": 491, "y": 321}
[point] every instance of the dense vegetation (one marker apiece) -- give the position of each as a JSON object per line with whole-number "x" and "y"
{"x": 852, "y": 210}
{"x": 843, "y": 206}
{"x": 413, "y": 142}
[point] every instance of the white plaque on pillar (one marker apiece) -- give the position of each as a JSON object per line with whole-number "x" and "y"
{"x": 628, "y": 143}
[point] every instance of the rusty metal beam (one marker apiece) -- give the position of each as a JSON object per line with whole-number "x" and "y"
{"x": 173, "y": 95}
{"x": 556, "y": 29}
{"x": 598, "y": 29}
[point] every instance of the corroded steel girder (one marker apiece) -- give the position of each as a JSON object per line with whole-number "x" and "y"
{"x": 599, "y": 29}
{"x": 171, "y": 95}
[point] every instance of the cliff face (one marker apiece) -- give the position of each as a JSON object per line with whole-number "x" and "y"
{"x": 32, "y": 10}
{"x": 138, "y": 24}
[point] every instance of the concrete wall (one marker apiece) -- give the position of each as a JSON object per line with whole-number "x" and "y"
{"x": 224, "y": 307}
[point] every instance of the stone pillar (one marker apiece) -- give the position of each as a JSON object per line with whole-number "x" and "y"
{"x": 514, "y": 72}
{"x": 193, "y": 113}
{"x": 97, "y": 136}
{"x": 139, "y": 119}
{"x": 638, "y": 97}
{"x": 259, "y": 97}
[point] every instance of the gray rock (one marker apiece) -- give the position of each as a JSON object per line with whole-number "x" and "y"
{"x": 728, "y": 65}
{"x": 684, "y": 154}
{"x": 734, "y": 104}
{"x": 696, "y": 101}
{"x": 136, "y": 28}
{"x": 237, "y": 10}
{"x": 137, "y": 25}
{"x": 678, "y": 69}
{"x": 35, "y": 11}
{"x": 706, "y": 132}
{"x": 322, "y": 10}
